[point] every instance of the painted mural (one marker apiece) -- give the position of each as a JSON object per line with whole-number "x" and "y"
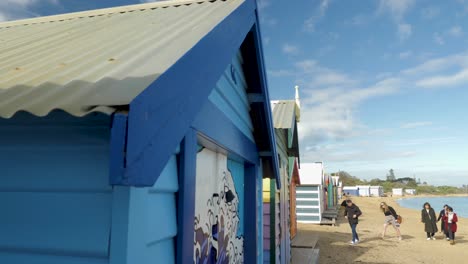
{"x": 217, "y": 222}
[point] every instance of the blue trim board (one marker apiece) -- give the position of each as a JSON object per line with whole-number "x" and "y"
{"x": 250, "y": 213}
{"x": 186, "y": 197}
{"x": 160, "y": 116}
{"x": 225, "y": 133}
{"x": 117, "y": 148}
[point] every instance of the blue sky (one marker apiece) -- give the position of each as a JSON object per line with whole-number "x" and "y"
{"x": 381, "y": 81}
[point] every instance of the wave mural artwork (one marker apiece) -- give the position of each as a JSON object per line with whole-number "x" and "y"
{"x": 217, "y": 221}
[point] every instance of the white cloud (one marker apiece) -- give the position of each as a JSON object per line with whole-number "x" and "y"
{"x": 358, "y": 20}
{"x": 316, "y": 76}
{"x": 280, "y": 73}
{"x": 430, "y": 12}
{"x": 438, "y": 39}
{"x": 262, "y": 4}
{"x": 267, "y": 20}
{"x": 424, "y": 141}
{"x": 444, "y": 72}
{"x": 329, "y": 113}
{"x": 25, "y": 3}
{"x": 18, "y": 9}
{"x": 383, "y": 75}
{"x": 404, "y": 31}
{"x": 306, "y": 65}
{"x": 357, "y": 154}
{"x": 319, "y": 13}
{"x": 455, "y": 31}
{"x": 405, "y": 55}
{"x": 19, "y": 2}
{"x": 330, "y": 99}
{"x": 330, "y": 78}
{"x": 439, "y": 64}
{"x": 416, "y": 124}
{"x": 325, "y": 50}
{"x": 290, "y": 49}
{"x": 396, "y": 8}
{"x": 331, "y": 131}
{"x": 441, "y": 81}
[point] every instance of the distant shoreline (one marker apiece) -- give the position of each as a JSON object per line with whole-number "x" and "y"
{"x": 431, "y": 195}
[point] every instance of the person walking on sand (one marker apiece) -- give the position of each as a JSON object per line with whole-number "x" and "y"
{"x": 450, "y": 220}
{"x": 352, "y": 213}
{"x": 390, "y": 219}
{"x": 442, "y": 213}
{"x": 428, "y": 217}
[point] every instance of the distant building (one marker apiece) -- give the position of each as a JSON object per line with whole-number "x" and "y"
{"x": 376, "y": 191}
{"x": 351, "y": 190}
{"x": 364, "y": 190}
{"x": 410, "y": 191}
{"x": 398, "y": 192}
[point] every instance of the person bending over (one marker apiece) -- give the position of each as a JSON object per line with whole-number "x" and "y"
{"x": 390, "y": 219}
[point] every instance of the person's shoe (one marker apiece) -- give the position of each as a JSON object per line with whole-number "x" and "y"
{"x": 433, "y": 238}
{"x": 356, "y": 242}
{"x": 448, "y": 239}
{"x": 428, "y": 238}
{"x": 452, "y": 242}
{"x": 400, "y": 238}
{"x": 352, "y": 242}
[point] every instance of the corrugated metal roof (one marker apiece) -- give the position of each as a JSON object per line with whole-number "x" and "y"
{"x": 97, "y": 60}
{"x": 284, "y": 113}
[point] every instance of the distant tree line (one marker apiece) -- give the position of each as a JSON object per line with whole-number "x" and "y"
{"x": 392, "y": 181}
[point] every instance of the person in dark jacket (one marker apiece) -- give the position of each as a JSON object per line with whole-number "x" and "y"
{"x": 428, "y": 217}
{"x": 442, "y": 213}
{"x": 450, "y": 220}
{"x": 390, "y": 219}
{"x": 352, "y": 213}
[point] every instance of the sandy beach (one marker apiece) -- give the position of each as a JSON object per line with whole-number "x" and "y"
{"x": 414, "y": 248}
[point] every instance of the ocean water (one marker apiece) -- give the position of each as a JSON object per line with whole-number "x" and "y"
{"x": 459, "y": 204}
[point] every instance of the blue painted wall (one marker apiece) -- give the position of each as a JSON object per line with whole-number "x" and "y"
{"x": 57, "y": 204}
{"x": 54, "y": 193}
{"x": 231, "y": 98}
{"x": 152, "y": 221}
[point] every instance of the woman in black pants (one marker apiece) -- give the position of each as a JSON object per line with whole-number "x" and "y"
{"x": 428, "y": 217}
